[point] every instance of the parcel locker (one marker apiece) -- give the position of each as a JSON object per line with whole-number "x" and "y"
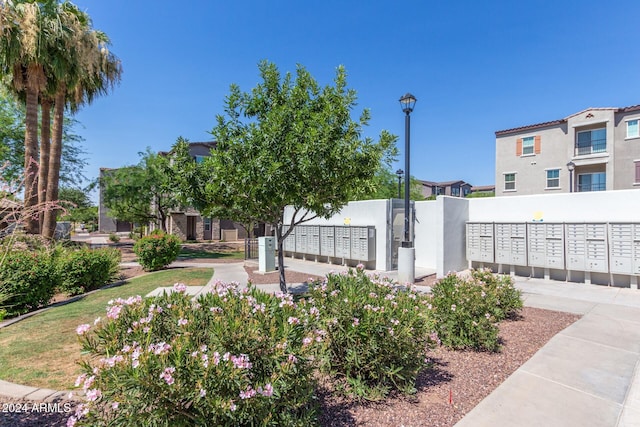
{"x": 343, "y": 242}
{"x": 327, "y": 241}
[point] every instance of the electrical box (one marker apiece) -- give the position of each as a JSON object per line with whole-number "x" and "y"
{"x": 266, "y": 254}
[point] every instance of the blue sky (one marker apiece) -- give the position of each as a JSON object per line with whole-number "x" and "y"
{"x": 474, "y": 66}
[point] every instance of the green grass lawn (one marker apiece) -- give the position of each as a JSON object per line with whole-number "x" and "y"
{"x": 207, "y": 254}
{"x": 43, "y": 350}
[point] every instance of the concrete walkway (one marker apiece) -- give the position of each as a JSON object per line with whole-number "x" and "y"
{"x": 587, "y": 375}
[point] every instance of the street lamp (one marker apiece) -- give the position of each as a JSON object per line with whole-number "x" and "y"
{"x": 407, "y": 102}
{"x": 407, "y": 253}
{"x": 399, "y": 172}
{"x": 571, "y": 166}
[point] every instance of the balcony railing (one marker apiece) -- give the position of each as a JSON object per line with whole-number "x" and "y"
{"x": 592, "y": 187}
{"x": 596, "y": 146}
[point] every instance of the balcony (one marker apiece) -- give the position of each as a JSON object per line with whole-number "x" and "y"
{"x": 591, "y": 142}
{"x": 601, "y": 186}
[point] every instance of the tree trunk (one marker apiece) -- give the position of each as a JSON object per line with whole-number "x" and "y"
{"x": 31, "y": 161}
{"x": 53, "y": 179}
{"x": 45, "y": 146}
{"x": 283, "y": 281}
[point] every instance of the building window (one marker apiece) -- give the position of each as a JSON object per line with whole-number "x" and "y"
{"x": 200, "y": 159}
{"x": 455, "y": 191}
{"x": 553, "y": 178}
{"x": 637, "y": 163}
{"x": 592, "y": 182}
{"x": 527, "y": 145}
{"x": 633, "y": 131}
{"x": 591, "y": 141}
{"x": 509, "y": 181}
{"x": 207, "y": 224}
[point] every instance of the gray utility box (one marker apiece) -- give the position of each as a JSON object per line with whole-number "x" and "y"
{"x": 586, "y": 247}
{"x": 480, "y": 241}
{"x": 624, "y": 248}
{"x": 363, "y": 247}
{"x": 546, "y": 245}
{"x": 266, "y": 254}
{"x": 328, "y": 241}
{"x": 511, "y": 243}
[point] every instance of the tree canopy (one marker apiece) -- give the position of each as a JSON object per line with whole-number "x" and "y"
{"x": 142, "y": 193}
{"x": 288, "y": 141}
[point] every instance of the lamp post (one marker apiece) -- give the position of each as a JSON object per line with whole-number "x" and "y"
{"x": 408, "y": 101}
{"x": 399, "y": 172}
{"x": 407, "y": 253}
{"x": 571, "y": 166}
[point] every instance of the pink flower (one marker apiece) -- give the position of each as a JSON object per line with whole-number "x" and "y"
{"x": 80, "y": 330}
{"x": 167, "y": 375}
{"x": 182, "y": 322}
{"x": 93, "y": 394}
{"x": 232, "y": 407}
{"x": 453, "y": 307}
{"x": 71, "y": 422}
{"x": 306, "y": 341}
{"x": 180, "y": 287}
{"x": 203, "y": 392}
{"x": 356, "y": 321}
{"x": 360, "y": 267}
{"x": 80, "y": 379}
{"x": 293, "y": 320}
{"x": 293, "y": 359}
{"x": 115, "y": 405}
{"x": 248, "y": 393}
{"x": 114, "y": 312}
{"x": 267, "y": 391}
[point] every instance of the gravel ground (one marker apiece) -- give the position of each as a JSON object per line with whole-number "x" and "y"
{"x": 466, "y": 377}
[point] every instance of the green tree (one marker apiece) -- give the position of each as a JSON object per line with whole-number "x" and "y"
{"x": 287, "y": 142}
{"x": 386, "y": 187}
{"x": 77, "y": 206}
{"x": 142, "y": 193}
{"x": 49, "y": 52}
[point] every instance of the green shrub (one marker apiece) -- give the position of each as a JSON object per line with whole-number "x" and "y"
{"x": 377, "y": 336}
{"x": 466, "y": 311}
{"x": 113, "y": 237}
{"x": 507, "y": 299}
{"x": 29, "y": 278}
{"x": 230, "y": 358}
{"x": 157, "y": 250}
{"x": 86, "y": 269}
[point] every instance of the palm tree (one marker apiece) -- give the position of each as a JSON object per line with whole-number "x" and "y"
{"x": 21, "y": 57}
{"x": 89, "y": 71}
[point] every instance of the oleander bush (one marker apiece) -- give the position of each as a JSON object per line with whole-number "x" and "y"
{"x": 466, "y": 310}
{"x": 230, "y": 358}
{"x": 29, "y": 279}
{"x": 507, "y": 300}
{"x": 113, "y": 237}
{"x": 377, "y": 334}
{"x": 85, "y": 269}
{"x": 157, "y": 250}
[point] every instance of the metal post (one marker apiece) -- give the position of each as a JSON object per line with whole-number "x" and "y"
{"x": 407, "y": 243}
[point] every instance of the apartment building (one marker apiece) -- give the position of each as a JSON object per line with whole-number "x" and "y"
{"x": 597, "y": 149}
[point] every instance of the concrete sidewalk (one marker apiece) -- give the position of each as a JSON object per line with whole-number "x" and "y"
{"x": 587, "y": 375}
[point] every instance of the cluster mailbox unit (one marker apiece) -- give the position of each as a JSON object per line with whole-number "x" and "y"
{"x": 586, "y": 247}
{"x": 346, "y": 243}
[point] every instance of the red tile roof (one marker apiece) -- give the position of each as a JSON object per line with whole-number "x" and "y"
{"x": 560, "y": 121}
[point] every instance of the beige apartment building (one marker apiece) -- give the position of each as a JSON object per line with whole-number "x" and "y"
{"x": 597, "y": 149}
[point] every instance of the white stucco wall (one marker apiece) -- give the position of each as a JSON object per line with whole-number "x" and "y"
{"x": 597, "y": 206}
{"x": 426, "y": 230}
